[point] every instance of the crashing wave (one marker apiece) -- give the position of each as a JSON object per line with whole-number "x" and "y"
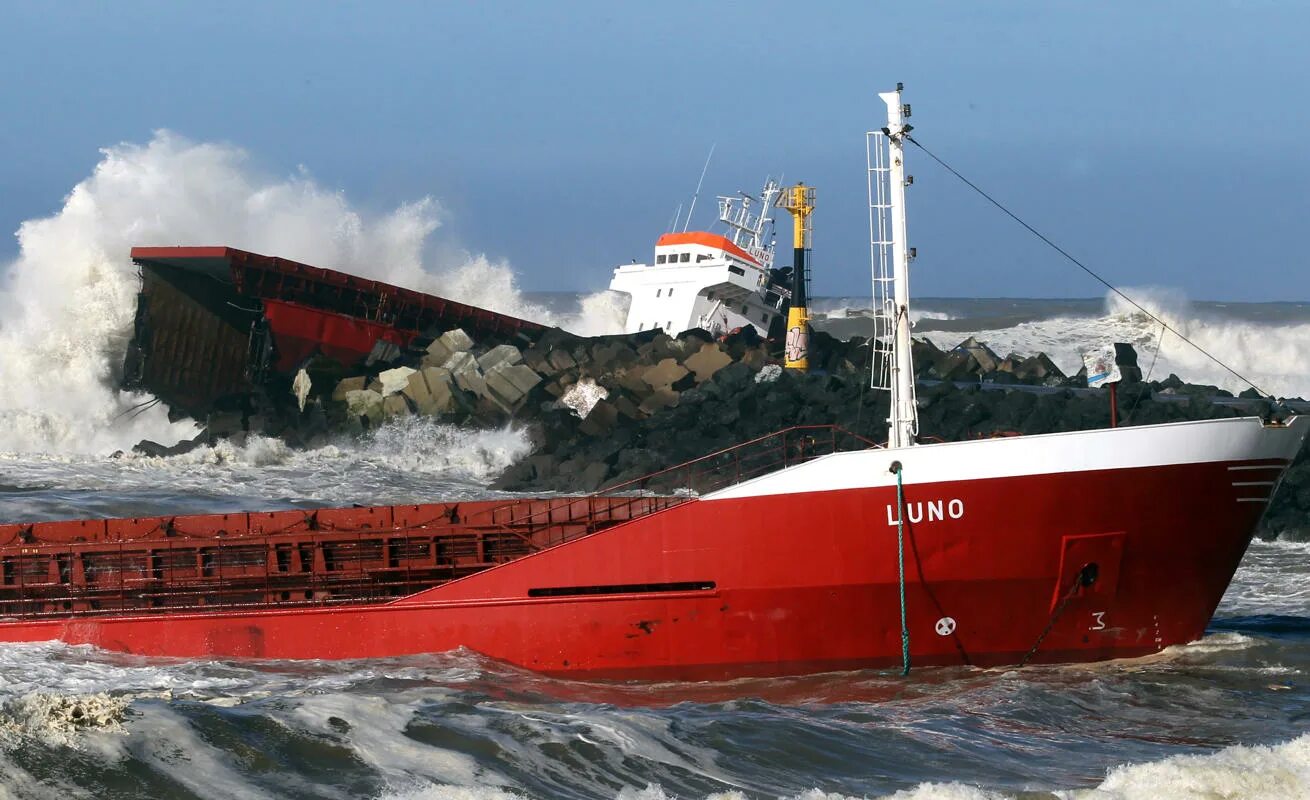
{"x": 67, "y": 302}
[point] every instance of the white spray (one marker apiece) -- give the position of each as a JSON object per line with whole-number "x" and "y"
{"x": 1275, "y": 356}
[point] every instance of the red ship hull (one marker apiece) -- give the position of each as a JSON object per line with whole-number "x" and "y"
{"x": 771, "y": 577}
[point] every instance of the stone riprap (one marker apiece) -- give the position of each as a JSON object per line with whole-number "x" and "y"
{"x": 602, "y": 410}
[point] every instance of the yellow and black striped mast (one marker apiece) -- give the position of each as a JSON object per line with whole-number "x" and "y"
{"x": 799, "y": 200}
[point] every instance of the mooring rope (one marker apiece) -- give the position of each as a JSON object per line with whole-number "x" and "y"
{"x": 900, "y": 564}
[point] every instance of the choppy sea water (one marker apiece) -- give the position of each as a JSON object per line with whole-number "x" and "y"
{"x": 1224, "y": 717}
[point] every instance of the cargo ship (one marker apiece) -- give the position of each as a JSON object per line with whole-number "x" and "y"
{"x": 805, "y": 551}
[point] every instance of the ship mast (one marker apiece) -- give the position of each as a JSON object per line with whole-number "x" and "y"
{"x": 891, "y": 281}
{"x": 746, "y": 229}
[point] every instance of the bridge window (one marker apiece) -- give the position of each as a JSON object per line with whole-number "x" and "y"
{"x": 736, "y": 270}
{"x": 670, "y": 291}
{"x": 659, "y": 259}
{"x": 659, "y": 292}
{"x": 703, "y": 257}
{"x": 686, "y": 257}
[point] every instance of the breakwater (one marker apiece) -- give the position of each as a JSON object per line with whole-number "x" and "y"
{"x": 604, "y": 410}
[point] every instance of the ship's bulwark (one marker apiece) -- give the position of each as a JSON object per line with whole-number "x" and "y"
{"x": 774, "y": 577}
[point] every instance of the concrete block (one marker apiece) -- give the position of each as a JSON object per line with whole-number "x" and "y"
{"x": 583, "y": 396}
{"x": 348, "y": 385}
{"x": 473, "y": 382}
{"x": 501, "y": 392}
{"x": 601, "y": 356}
{"x": 631, "y": 379}
{"x": 955, "y": 366}
{"x": 1039, "y": 368}
{"x": 659, "y": 399}
{"x": 456, "y": 341}
{"x": 395, "y": 406}
{"x": 300, "y": 388}
{"x": 522, "y": 376}
{"x": 600, "y": 420}
{"x": 365, "y": 404}
{"x": 755, "y": 358}
{"x": 537, "y": 358}
{"x": 460, "y": 361}
{"x": 612, "y": 355}
{"x": 986, "y": 358}
{"x": 561, "y": 360}
{"x": 593, "y": 475}
{"x": 394, "y": 380}
{"x": 441, "y": 388}
{"x": 628, "y": 408}
{"x": 507, "y": 385}
{"x": 709, "y": 360}
{"x": 464, "y": 371}
{"x": 416, "y": 389}
{"x": 664, "y": 374}
{"x": 437, "y": 354}
{"x": 500, "y": 354}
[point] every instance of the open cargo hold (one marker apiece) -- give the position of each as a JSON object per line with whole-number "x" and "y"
{"x": 213, "y": 323}
{"x": 318, "y": 557}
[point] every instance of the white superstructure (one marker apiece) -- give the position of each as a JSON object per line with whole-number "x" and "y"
{"x": 709, "y": 280}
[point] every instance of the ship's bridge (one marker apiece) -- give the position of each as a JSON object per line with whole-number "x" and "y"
{"x": 697, "y": 247}
{"x": 698, "y": 279}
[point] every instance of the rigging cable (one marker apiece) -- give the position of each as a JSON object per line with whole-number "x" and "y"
{"x": 1159, "y": 345}
{"x": 1083, "y": 266}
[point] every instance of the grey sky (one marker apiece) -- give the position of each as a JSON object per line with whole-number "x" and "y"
{"x": 1161, "y": 142}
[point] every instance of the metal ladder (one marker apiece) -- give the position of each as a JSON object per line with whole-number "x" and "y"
{"x": 880, "y": 253}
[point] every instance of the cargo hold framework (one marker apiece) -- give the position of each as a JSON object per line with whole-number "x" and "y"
{"x": 214, "y": 323}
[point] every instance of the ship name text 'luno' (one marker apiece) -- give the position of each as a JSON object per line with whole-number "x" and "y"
{"x": 930, "y": 511}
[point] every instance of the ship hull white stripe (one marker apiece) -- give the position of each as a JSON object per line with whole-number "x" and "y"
{"x": 1205, "y": 441}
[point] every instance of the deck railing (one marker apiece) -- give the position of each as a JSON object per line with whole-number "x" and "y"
{"x": 348, "y": 555}
{"x": 682, "y": 482}
{"x": 748, "y": 460}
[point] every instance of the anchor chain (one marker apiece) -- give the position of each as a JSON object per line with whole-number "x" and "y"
{"x": 1085, "y": 577}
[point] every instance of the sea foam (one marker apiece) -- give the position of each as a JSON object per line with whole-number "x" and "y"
{"x": 1274, "y": 356}
{"x": 1240, "y": 772}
